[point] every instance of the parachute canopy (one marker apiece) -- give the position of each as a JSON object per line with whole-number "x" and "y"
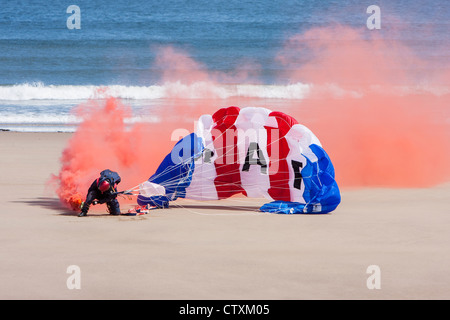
{"x": 252, "y": 151}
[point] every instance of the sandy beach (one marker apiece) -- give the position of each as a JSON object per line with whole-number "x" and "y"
{"x": 214, "y": 250}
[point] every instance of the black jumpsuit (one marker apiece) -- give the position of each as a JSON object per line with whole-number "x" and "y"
{"x": 108, "y": 196}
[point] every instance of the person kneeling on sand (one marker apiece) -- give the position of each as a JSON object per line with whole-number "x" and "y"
{"x": 103, "y": 190}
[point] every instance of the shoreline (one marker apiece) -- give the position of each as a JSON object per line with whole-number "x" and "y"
{"x": 216, "y": 249}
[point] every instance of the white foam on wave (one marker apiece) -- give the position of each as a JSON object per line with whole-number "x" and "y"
{"x": 196, "y": 90}
{"x": 39, "y": 91}
{"x": 33, "y": 118}
{"x": 61, "y": 119}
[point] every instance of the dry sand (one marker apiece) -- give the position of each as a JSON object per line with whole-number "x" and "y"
{"x": 214, "y": 250}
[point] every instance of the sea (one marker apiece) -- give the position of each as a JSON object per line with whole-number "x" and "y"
{"x": 55, "y": 55}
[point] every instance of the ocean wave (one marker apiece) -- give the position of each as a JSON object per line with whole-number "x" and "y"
{"x": 32, "y": 118}
{"x": 60, "y": 119}
{"x": 197, "y": 90}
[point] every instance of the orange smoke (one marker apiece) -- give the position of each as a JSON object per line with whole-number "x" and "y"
{"x": 378, "y": 108}
{"x": 103, "y": 140}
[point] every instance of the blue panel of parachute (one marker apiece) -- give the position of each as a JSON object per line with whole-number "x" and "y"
{"x": 321, "y": 190}
{"x": 175, "y": 171}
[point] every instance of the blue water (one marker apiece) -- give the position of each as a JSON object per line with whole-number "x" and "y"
{"x": 119, "y": 40}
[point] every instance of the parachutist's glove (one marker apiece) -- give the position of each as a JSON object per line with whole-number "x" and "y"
{"x": 84, "y": 209}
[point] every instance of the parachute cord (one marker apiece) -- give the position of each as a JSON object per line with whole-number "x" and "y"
{"x": 249, "y": 212}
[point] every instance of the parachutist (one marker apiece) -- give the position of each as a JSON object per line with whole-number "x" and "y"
{"x": 103, "y": 190}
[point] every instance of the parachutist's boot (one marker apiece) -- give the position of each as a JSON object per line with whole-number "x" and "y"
{"x": 82, "y": 214}
{"x": 113, "y": 207}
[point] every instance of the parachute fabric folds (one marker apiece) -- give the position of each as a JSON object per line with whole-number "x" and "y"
{"x": 175, "y": 172}
{"x": 321, "y": 192}
{"x": 251, "y": 151}
{"x": 150, "y": 189}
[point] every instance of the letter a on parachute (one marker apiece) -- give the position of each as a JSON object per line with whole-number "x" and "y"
{"x": 251, "y": 151}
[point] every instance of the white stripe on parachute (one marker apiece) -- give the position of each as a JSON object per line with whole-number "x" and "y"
{"x": 250, "y": 129}
{"x": 202, "y": 184}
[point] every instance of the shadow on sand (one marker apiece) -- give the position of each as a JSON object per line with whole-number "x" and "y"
{"x": 49, "y": 203}
{"x": 55, "y": 205}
